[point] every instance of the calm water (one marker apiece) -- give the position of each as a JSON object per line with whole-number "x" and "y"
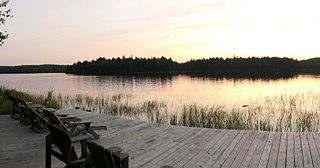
{"x": 173, "y": 90}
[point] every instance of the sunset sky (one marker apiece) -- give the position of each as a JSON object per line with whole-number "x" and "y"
{"x": 65, "y": 31}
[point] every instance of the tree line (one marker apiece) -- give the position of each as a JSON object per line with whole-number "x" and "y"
{"x": 34, "y": 69}
{"x": 252, "y": 67}
{"x": 237, "y": 66}
{"x": 124, "y": 66}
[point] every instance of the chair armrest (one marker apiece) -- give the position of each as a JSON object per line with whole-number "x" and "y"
{"x": 36, "y": 105}
{"x": 115, "y": 149}
{"x": 81, "y": 137}
{"x": 80, "y": 123}
{"x": 122, "y": 155}
{"x": 69, "y": 119}
{"x": 61, "y": 115}
{"x": 78, "y": 162}
{"x": 94, "y": 127}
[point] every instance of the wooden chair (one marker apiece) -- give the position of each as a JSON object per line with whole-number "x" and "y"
{"x": 74, "y": 126}
{"x": 22, "y": 110}
{"x": 66, "y": 151}
{"x": 107, "y": 158}
{"x": 36, "y": 120}
{"x": 16, "y": 113}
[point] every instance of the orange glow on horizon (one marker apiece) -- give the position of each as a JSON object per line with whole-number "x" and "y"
{"x": 182, "y": 30}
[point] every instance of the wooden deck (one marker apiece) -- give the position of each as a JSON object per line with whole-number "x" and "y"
{"x": 152, "y": 145}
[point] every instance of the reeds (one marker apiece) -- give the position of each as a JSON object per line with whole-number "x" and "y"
{"x": 299, "y": 112}
{"x": 283, "y": 113}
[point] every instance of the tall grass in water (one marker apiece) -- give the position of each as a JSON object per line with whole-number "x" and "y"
{"x": 118, "y": 105}
{"x": 283, "y": 113}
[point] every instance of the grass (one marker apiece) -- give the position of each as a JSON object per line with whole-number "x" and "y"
{"x": 299, "y": 112}
{"x": 6, "y": 105}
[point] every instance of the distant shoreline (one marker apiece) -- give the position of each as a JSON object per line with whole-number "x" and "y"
{"x": 265, "y": 67}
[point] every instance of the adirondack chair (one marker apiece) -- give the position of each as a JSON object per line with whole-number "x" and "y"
{"x": 75, "y": 126}
{"x": 107, "y": 158}
{"x": 36, "y": 121}
{"x": 16, "y": 113}
{"x": 21, "y": 109}
{"x": 29, "y": 104}
{"x": 65, "y": 144}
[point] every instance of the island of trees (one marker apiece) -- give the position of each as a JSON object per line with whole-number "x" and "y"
{"x": 233, "y": 67}
{"x": 252, "y": 67}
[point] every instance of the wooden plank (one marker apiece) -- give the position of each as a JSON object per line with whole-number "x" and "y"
{"x": 245, "y": 148}
{"x": 307, "y": 160}
{"x": 298, "y": 158}
{"x": 230, "y": 148}
{"x": 313, "y": 149}
{"x": 254, "y": 163}
{"x": 148, "y": 149}
{"x": 266, "y": 151}
{"x": 219, "y": 147}
{"x": 272, "y": 162}
{"x": 290, "y": 150}
{"x": 139, "y": 140}
{"x": 167, "y": 148}
{"x": 251, "y": 152}
{"x": 209, "y": 151}
{"x": 154, "y": 141}
{"x": 282, "y": 156}
{"x": 153, "y": 145}
{"x": 183, "y": 153}
{"x": 197, "y": 151}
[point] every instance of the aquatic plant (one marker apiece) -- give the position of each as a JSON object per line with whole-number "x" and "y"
{"x": 298, "y": 112}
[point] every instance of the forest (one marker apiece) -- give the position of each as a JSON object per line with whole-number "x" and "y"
{"x": 252, "y": 67}
{"x": 46, "y": 68}
{"x": 233, "y": 67}
{"x": 125, "y": 66}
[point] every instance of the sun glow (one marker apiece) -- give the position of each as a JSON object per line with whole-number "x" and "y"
{"x": 179, "y": 29}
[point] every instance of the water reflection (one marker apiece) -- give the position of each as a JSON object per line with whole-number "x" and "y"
{"x": 175, "y": 90}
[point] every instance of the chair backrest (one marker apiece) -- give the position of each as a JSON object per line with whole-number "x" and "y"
{"x": 53, "y": 119}
{"x": 34, "y": 114}
{"x": 15, "y": 103}
{"x": 22, "y": 102}
{"x": 62, "y": 140}
{"x": 101, "y": 157}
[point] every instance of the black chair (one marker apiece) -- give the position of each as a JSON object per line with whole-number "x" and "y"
{"x": 66, "y": 151}
{"x": 24, "y": 110}
{"x": 36, "y": 120}
{"x": 74, "y": 126}
{"x": 16, "y": 113}
{"x": 107, "y": 158}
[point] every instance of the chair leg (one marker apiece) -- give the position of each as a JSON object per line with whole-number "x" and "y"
{"x": 125, "y": 163}
{"x": 84, "y": 147}
{"x": 48, "y": 154}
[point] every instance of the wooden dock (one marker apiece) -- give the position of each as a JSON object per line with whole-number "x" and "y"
{"x": 153, "y": 145}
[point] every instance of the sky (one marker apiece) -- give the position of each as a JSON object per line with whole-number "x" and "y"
{"x": 67, "y": 31}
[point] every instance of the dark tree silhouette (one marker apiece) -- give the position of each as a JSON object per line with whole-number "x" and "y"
{"x": 33, "y": 69}
{"x": 124, "y": 66}
{"x": 242, "y": 67}
{"x": 4, "y": 14}
{"x": 229, "y": 67}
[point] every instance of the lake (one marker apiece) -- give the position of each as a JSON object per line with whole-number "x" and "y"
{"x": 174, "y": 90}
{"x": 291, "y": 104}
